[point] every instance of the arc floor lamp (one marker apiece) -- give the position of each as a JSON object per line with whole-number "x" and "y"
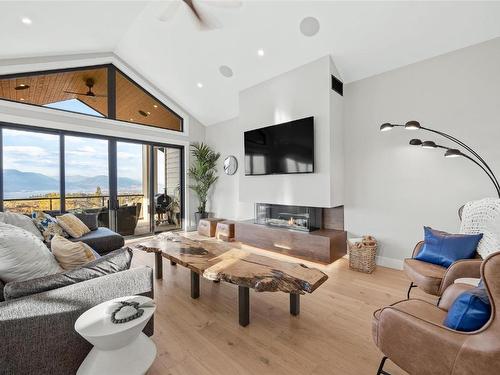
{"x": 450, "y": 152}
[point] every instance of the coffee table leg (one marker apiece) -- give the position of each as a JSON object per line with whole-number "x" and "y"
{"x": 172, "y": 263}
{"x": 244, "y": 305}
{"x": 294, "y": 304}
{"x": 195, "y": 285}
{"x": 158, "y": 266}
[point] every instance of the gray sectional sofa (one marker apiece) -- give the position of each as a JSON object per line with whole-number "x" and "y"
{"x": 38, "y": 335}
{"x": 101, "y": 239}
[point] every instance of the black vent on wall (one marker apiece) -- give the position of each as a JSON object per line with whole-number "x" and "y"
{"x": 337, "y": 85}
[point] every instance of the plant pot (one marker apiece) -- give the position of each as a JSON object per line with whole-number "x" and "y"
{"x": 198, "y": 216}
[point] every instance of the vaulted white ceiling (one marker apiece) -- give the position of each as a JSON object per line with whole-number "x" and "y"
{"x": 363, "y": 38}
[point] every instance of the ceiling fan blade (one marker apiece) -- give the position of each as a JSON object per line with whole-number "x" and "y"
{"x": 195, "y": 12}
{"x": 169, "y": 11}
{"x": 85, "y": 94}
{"x": 76, "y": 93}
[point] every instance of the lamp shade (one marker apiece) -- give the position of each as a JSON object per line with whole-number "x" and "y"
{"x": 415, "y": 142}
{"x": 412, "y": 125}
{"x": 429, "y": 144}
{"x": 452, "y": 153}
{"x": 386, "y": 127}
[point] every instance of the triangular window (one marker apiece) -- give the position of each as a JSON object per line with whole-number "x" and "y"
{"x": 101, "y": 91}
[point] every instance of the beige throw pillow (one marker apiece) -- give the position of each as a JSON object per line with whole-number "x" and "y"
{"x": 72, "y": 225}
{"x": 71, "y": 255}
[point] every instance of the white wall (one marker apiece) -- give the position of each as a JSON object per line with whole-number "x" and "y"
{"x": 299, "y": 93}
{"x": 226, "y": 137}
{"x": 336, "y": 144}
{"x": 393, "y": 189}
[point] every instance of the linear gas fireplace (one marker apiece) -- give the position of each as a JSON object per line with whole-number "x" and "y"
{"x": 301, "y": 218}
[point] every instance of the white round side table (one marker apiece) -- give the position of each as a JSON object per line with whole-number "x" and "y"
{"x": 119, "y": 349}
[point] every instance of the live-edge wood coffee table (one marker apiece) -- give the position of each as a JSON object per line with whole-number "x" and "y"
{"x": 216, "y": 260}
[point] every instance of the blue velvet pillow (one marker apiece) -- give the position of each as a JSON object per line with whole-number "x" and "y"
{"x": 444, "y": 248}
{"x": 470, "y": 311}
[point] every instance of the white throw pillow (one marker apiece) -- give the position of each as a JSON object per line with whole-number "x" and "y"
{"x": 21, "y": 221}
{"x": 483, "y": 216}
{"x": 23, "y": 256}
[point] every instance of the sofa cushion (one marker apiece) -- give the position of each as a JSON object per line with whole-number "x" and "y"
{"x": 443, "y": 248}
{"x": 102, "y": 240}
{"x": 21, "y": 221}
{"x": 113, "y": 262}
{"x": 470, "y": 311}
{"x": 72, "y": 225}
{"x": 23, "y": 256}
{"x": 48, "y": 226}
{"x": 69, "y": 254}
{"x": 427, "y": 276}
{"x": 89, "y": 219}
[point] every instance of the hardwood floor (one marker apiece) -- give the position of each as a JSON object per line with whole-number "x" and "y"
{"x": 332, "y": 334}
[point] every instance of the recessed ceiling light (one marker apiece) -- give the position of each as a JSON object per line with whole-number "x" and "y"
{"x": 155, "y": 106}
{"x": 26, "y": 21}
{"x": 199, "y": 84}
{"x": 226, "y": 71}
{"x": 22, "y": 86}
{"x": 21, "y": 99}
{"x": 309, "y": 26}
{"x": 260, "y": 52}
{"x": 131, "y": 119}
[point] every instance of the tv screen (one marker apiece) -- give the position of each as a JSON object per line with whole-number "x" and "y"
{"x": 280, "y": 149}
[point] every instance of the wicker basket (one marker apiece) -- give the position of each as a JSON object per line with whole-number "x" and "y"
{"x": 362, "y": 254}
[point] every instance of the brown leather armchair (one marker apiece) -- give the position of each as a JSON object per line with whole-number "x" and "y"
{"x": 434, "y": 279}
{"x": 412, "y": 335}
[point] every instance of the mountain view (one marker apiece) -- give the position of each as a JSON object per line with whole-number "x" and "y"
{"x": 16, "y": 182}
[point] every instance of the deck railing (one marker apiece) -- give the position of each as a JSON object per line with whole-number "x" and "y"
{"x": 71, "y": 202}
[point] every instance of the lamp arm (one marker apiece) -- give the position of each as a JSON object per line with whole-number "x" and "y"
{"x": 459, "y": 142}
{"x": 485, "y": 171}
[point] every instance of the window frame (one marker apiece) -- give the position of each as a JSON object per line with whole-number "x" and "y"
{"x": 112, "y": 70}
{"x": 112, "y": 161}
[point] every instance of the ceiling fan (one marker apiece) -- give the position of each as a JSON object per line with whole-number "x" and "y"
{"x": 204, "y": 20}
{"x": 89, "y": 82}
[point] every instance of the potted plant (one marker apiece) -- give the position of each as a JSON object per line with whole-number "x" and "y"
{"x": 203, "y": 172}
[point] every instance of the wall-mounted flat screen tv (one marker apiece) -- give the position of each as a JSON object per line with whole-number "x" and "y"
{"x": 280, "y": 149}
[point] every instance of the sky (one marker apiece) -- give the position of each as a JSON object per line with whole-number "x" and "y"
{"x": 39, "y": 152}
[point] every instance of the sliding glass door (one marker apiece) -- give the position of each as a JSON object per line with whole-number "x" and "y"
{"x": 167, "y": 188}
{"x": 133, "y": 212}
{"x": 87, "y": 177}
{"x": 133, "y": 188}
{"x": 31, "y": 179}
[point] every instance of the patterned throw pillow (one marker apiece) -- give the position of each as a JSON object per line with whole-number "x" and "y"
{"x": 72, "y": 225}
{"x": 48, "y": 226}
{"x": 71, "y": 255}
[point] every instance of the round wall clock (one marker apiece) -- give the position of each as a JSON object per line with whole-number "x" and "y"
{"x": 230, "y": 165}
